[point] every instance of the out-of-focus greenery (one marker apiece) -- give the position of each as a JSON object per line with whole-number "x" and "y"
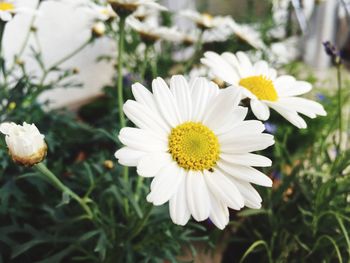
{"x": 305, "y": 216}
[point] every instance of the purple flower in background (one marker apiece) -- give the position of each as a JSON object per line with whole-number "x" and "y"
{"x": 270, "y": 127}
{"x": 320, "y": 97}
{"x": 333, "y": 52}
{"x": 276, "y": 175}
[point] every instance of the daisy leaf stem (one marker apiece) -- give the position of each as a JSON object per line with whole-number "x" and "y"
{"x": 196, "y": 54}
{"x": 2, "y": 60}
{"x": 120, "y": 93}
{"x": 339, "y": 106}
{"x": 145, "y": 62}
{"x": 54, "y": 181}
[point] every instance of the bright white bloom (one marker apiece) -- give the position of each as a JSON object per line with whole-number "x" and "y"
{"x": 151, "y": 33}
{"x": 26, "y": 144}
{"x": 264, "y": 88}
{"x": 193, "y": 140}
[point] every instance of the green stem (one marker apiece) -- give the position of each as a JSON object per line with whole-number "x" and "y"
{"x": 339, "y": 106}
{"x": 154, "y": 67}
{"x": 138, "y": 228}
{"x": 120, "y": 94}
{"x": 144, "y": 65}
{"x": 62, "y": 60}
{"x": 138, "y": 187}
{"x": 196, "y": 53}
{"x": 2, "y": 59}
{"x": 26, "y": 39}
{"x": 54, "y": 181}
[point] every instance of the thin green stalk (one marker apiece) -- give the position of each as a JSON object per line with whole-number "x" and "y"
{"x": 339, "y": 106}
{"x": 154, "y": 65}
{"x": 198, "y": 48}
{"x": 138, "y": 228}
{"x": 120, "y": 94}
{"x": 2, "y": 59}
{"x": 144, "y": 65}
{"x": 26, "y": 39}
{"x": 62, "y": 60}
{"x": 54, "y": 181}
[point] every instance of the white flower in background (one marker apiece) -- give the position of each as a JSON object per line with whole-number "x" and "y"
{"x": 202, "y": 20}
{"x": 70, "y": 33}
{"x": 264, "y": 88}
{"x": 143, "y": 13}
{"x": 101, "y": 12}
{"x": 150, "y": 33}
{"x": 127, "y": 7}
{"x": 192, "y": 138}
{"x": 25, "y": 143}
{"x": 247, "y": 34}
{"x": 284, "y": 52}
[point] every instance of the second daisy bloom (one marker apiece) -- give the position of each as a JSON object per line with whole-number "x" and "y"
{"x": 192, "y": 138}
{"x": 264, "y": 88}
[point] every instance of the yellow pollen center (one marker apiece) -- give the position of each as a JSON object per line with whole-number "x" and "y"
{"x": 194, "y": 146}
{"x": 4, "y": 6}
{"x": 260, "y": 86}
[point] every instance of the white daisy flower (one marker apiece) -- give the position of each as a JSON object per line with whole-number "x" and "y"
{"x": 150, "y": 33}
{"x": 127, "y": 7}
{"x": 101, "y": 12}
{"x": 264, "y": 88}
{"x": 203, "y": 20}
{"x": 193, "y": 140}
{"x": 247, "y": 34}
{"x": 26, "y": 144}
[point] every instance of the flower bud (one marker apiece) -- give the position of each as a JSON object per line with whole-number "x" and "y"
{"x": 25, "y": 143}
{"x": 98, "y": 29}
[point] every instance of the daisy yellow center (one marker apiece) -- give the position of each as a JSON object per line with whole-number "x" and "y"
{"x": 4, "y": 6}
{"x": 194, "y": 146}
{"x": 260, "y": 86}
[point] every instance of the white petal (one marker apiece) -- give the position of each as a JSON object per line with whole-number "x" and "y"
{"x": 304, "y": 106}
{"x": 166, "y": 102}
{"x": 197, "y": 196}
{"x": 248, "y": 159}
{"x": 181, "y": 91}
{"x": 252, "y": 198}
{"x": 219, "y": 213}
{"x": 128, "y": 156}
{"x": 179, "y": 212}
{"x": 244, "y": 128}
{"x": 217, "y": 114}
{"x": 261, "y": 68}
{"x": 246, "y": 66}
{"x": 260, "y": 110}
{"x": 220, "y": 67}
{"x": 246, "y": 143}
{"x": 142, "y": 140}
{"x": 165, "y": 184}
{"x": 200, "y": 96}
{"x": 289, "y": 114}
{"x": 287, "y": 86}
{"x": 224, "y": 189}
{"x": 144, "y": 118}
{"x": 150, "y": 164}
{"x": 245, "y": 173}
{"x": 144, "y": 96}
{"x": 236, "y": 118}
{"x": 5, "y": 127}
